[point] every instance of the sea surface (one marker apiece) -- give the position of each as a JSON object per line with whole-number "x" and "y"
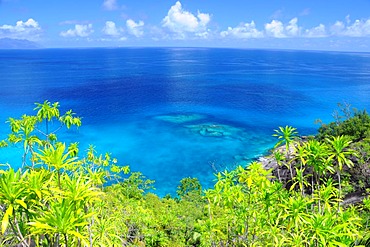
{"x": 172, "y": 113}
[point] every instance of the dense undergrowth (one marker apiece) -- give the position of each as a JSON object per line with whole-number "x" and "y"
{"x": 58, "y": 197}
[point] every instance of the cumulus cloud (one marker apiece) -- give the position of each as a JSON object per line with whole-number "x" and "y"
{"x": 135, "y": 28}
{"x": 292, "y": 28}
{"x": 78, "y": 31}
{"x": 337, "y": 28}
{"x": 182, "y": 22}
{"x": 111, "y": 29}
{"x": 110, "y": 4}
{"x": 359, "y": 28}
{"x": 243, "y": 31}
{"x": 316, "y": 32}
{"x": 29, "y": 29}
{"x": 278, "y": 29}
{"x": 275, "y": 29}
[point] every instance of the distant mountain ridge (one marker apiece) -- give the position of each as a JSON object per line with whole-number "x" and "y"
{"x": 8, "y": 43}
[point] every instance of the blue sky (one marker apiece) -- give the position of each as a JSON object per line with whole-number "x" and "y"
{"x": 276, "y": 24}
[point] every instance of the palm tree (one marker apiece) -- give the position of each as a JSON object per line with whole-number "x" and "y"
{"x": 69, "y": 119}
{"x": 286, "y": 135}
{"x": 47, "y": 111}
{"x": 23, "y": 131}
{"x": 340, "y": 152}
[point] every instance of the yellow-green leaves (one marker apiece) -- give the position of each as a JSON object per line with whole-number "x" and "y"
{"x": 247, "y": 208}
{"x": 5, "y": 221}
{"x": 69, "y": 119}
{"x": 11, "y": 187}
{"x": 56, "y": 157}
{"x": 31, "y": 131}
{"x": 286, "y": 135}
{"x": 47, "y": 110}
{"x": 63, "y": 218}
{"x": 339, "y": 151}
{"x": 12, "y": 195}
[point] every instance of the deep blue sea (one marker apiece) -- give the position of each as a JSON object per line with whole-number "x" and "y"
{"x": 178, "y": 112}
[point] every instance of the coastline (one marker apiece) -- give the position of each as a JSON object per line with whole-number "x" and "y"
{"x": 268, "y": 161}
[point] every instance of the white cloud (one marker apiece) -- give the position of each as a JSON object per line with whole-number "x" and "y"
{"x": 78, "y": 31}
{"x": 22, "y": 30}
{"x": 135, "y": 28}
{"x": 316, "y": 32}
{"x": 109, "y": 39}
{"x": 183, "y": 23}
{"x": 292, "y": 28}
{"x": 359, "y": 28}
{"x": 348, "y": 19}
{"x": 337, "y": 28}
{"x": 110, "y": 4}
{"x": 204, "y": 19}
{"x": 110, "y": 29}
{"x": 275, "y": 29}
{"x": 243, "y": 31}
{"x": 278, "y": 29}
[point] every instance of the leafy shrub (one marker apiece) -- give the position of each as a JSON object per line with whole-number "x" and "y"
{"x": 356, "y": 127}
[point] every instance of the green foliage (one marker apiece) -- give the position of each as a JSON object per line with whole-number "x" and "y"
{"x": 247, "y": 209}
{"x": 286, "y": 135}
{"x": 135, "y": 185}
{"x": 189, "y": 187}
{"x": 356, "y": 127}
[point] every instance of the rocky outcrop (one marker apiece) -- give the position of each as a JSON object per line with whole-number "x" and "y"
{"x": 359, "y": 176}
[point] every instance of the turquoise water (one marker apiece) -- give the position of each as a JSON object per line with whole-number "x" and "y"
{"x": 177, "y": 112}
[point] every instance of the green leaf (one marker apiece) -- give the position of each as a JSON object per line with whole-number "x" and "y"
{"x": 38, "y": 193}
{"x": 5, "y": 221}
{"x": 196, "y": 236}
{"x": 336, "y": 243}
{"x": 76, "y": 234}
{"x": 21, "y": 202}
{"x": 39, "y": 226}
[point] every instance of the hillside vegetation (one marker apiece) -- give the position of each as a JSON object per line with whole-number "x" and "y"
{"x": 60, "y": 196}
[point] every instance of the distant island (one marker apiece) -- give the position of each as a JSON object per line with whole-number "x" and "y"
{"x": 8, "y": 43}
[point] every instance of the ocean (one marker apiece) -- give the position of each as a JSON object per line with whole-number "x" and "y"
{"x": 172, "y": 113}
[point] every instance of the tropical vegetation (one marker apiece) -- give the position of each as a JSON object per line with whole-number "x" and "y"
{"x": 63, "y": 197}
